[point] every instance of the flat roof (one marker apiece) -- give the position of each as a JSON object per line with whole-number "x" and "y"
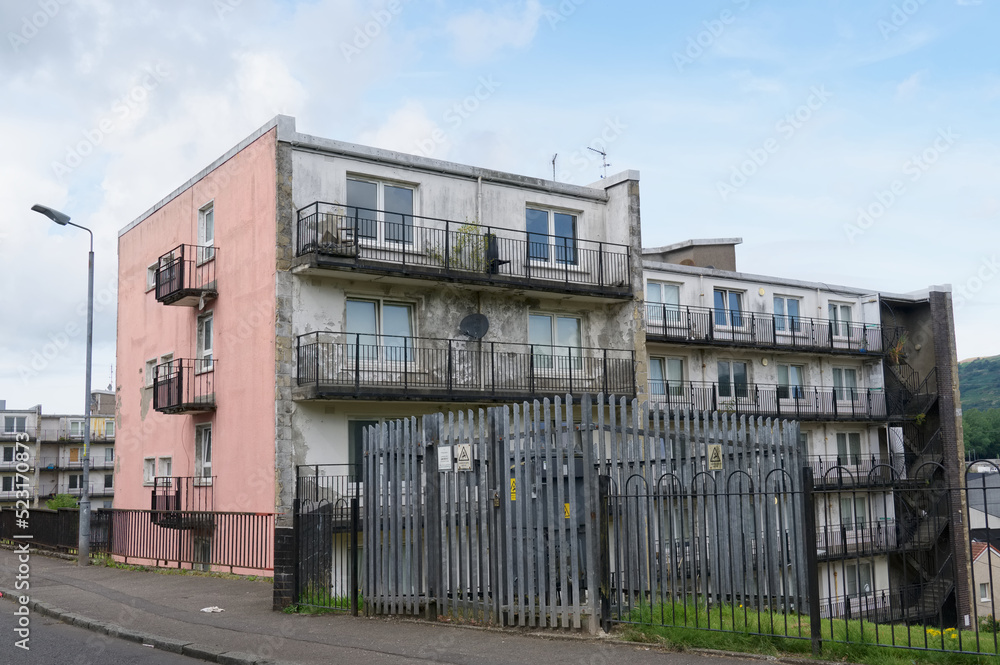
{"x": 694, "y": 242}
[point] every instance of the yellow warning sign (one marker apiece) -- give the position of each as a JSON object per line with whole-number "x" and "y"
{"x": 714, "y": 457}
{"x": 513, "y": 490}
{"x": 566, "y": 509}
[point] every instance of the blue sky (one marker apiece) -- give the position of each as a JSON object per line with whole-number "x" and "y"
{"x": 847, "y": 142}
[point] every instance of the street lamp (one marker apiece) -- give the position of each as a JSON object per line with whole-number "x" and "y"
{"x": 83, "y": 549}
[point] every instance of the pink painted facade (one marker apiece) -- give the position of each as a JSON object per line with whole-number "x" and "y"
{"x": 242, "y": 192}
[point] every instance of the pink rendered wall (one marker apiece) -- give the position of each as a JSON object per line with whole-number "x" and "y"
{"x": 243, "y": 190}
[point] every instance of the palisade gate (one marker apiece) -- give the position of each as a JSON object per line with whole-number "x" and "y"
{"x": 574, "y": 514}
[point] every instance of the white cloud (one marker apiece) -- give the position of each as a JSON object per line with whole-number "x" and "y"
{"x": 479, "y": 34}
{"x": 908, "y": 88}
{"x": 408, "y": 129}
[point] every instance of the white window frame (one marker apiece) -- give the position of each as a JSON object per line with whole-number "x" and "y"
{"x": 15, "y": 426}
{"x": 7, "y": 484}
{"x": 556, "y": 364}
{"x": 205, "y": 351}
{"x": 201, "y": 466}
{"x": 669, "y": 387}
{"x": 151, "y": 372}
{"x": 165, "y": 461}
{"x": 109, "y": 481}
{"x": 206, "y": 240}
{"x": 109, "y": 455}
{"x": 727, "y": 313}
{"x": 984, "y": 592}
{"x": 78, "y": 424}
{"x": 783, "y": 321}
{"x": 148, "y": 471}
{"x": 551, "y": 258}
{"x": 151, "y": 276}
{"x": 849, "y": 457}
{"x": 380, "y": 239}
{"x": 734, "y": 393}
{"x": 383, "y": 352}
{"x": 854, "y": 575}
{"x": 843, "y": 392}
{"x": 792, "y": 390}
{"x": 109, "y": 429}
{"x": 660, "y": 310}
{"x": 840, "y": 326}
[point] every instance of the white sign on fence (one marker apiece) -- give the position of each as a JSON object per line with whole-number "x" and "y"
{"x": 444, "y": 458}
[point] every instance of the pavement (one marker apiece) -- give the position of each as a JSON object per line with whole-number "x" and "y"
{"x": 164, "y": 611}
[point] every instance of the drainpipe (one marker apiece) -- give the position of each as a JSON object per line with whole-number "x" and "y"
{"x": 479, "y": 200}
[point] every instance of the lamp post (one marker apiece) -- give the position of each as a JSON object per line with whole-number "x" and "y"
{"x": 83, "y": 549}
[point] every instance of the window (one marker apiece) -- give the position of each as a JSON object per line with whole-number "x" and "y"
{"x": 666, "y": 376}
{"x": 166, "y": 467}
{"x": 148, "y": 470}
{"x": 840, "y": 319}
{"x": 150, "y": 372}
{"x": 355, "y": 444}
{"x": 984, "y": 592}
{"x": 662, "y": 303}
{"x": 109, "y": 455}
{"x": 556, "y": 341}
{"x": 151, "y": 276}
{"x": 109, "y": 429}
{"x": 8, "y": 454}
{"x": 74, "y": 455}
{"x": 849, "y": 448}
{"x": 14, "y": 424}
{"x": 109, "y": 480}
{"x": 733, "y": 379}
{"x": 804, "y": 443}
{"x": 853, "y": 513}
{"x": 551, "y": 230}
{"x": 790, "y": 381}
{"x": 728, "y": 308}
{"x": 786, "y": 314}
{"x": 76, "y": 428}
{"x": 392, "y": 221}
{"x": 379, "y": 330}
{"x": 107, "y": 504}
{"x": 206, "y": 233}
{"x": 845, "y": 383}
{"x": 75, "y": 481}
{"x": 859, "y": 579}
{"x": 8, "y": 483}
{"x": 205, "y": 340}
{"x": 203, "y": 453}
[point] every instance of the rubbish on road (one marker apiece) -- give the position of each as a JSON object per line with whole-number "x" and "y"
{"x": 213, "y": 608}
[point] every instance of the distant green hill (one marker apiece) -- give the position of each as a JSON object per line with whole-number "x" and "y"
{"x": 979, "y": 382}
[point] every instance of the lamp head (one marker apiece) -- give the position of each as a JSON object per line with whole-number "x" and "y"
{"x": 58, "y": 217}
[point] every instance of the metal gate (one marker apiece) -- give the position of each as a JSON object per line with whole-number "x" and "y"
{"x": 327, "y": 522}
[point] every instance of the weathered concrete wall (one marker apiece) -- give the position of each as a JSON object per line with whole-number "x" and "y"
{"x": 243, "y": 192}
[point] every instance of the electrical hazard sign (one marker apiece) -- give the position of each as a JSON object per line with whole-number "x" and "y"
{"x": 714, "y": 457}
{"x": 464, "y": 460}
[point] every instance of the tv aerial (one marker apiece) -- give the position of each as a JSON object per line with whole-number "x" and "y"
{"x": 604, "y": 160}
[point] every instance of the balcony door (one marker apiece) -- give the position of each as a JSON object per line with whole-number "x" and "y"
{"x": 848, "y": 448}
{"x": 845, "y": 383}
{"x": 662, "y": 305}
{"x": 729, "y": 309}
{"x": 666, "y": 378}
{"x": 556, "y": 341}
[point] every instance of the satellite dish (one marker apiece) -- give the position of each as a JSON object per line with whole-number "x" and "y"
{"x": 475, "y": 326}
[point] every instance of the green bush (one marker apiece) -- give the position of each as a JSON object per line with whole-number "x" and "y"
{"x": 61, "y": 501}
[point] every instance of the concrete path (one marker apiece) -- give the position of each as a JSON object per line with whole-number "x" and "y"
{"x": 164, "y": 610}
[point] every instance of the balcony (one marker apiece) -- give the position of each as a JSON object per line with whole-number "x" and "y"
{"x": 338, "y": 365}
{"x": 771, "y": 401}
{"x": 704, "y": 325}
{"x": 96, "y": 489}
{"x": 186, "y": 276}
{"x": 857, "y": 470}
{"x": 332, "y": 236}
{"x": 26, "y": 436}
{"x": 68, "y": 435}
{"x": 183, "y": 502}
{"x": 838, "y": 541}
{"x": 63, "y": 463}
{"x": 185, "y": 386}
{"x": 11, "y": 464}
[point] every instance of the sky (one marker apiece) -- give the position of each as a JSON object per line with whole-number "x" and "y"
{"x": 847, "y": 142}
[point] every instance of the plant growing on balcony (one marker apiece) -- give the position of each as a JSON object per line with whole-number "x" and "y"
{"x": 468, "y": 249}
{"x": 896, "y": 351}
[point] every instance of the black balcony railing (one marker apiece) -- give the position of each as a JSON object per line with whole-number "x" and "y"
{"x": 857, "y": 539}
{"x": 181, "y": 502}
{"x": 186, "y": 275}
{"x": 704, "y": 325}
{"x": 185, "y": 386}
{"x": 334, "y": 235}
{"x": 358, "y": 365}
{"x": 857, "y": 470}
{"x": 769, "y": 400}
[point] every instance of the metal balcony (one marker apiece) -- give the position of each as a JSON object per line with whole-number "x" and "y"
{"x": 771, "y": 401}
{"x": 337, "y": 364}
{"x": 183, "y": 502}
{"x": 705, "y": 325}
{"x": 839, "y": 541}
{"x": 375, "y": 241}
{"x": 186, "y": 276}
{"x": 185, "y": 386}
